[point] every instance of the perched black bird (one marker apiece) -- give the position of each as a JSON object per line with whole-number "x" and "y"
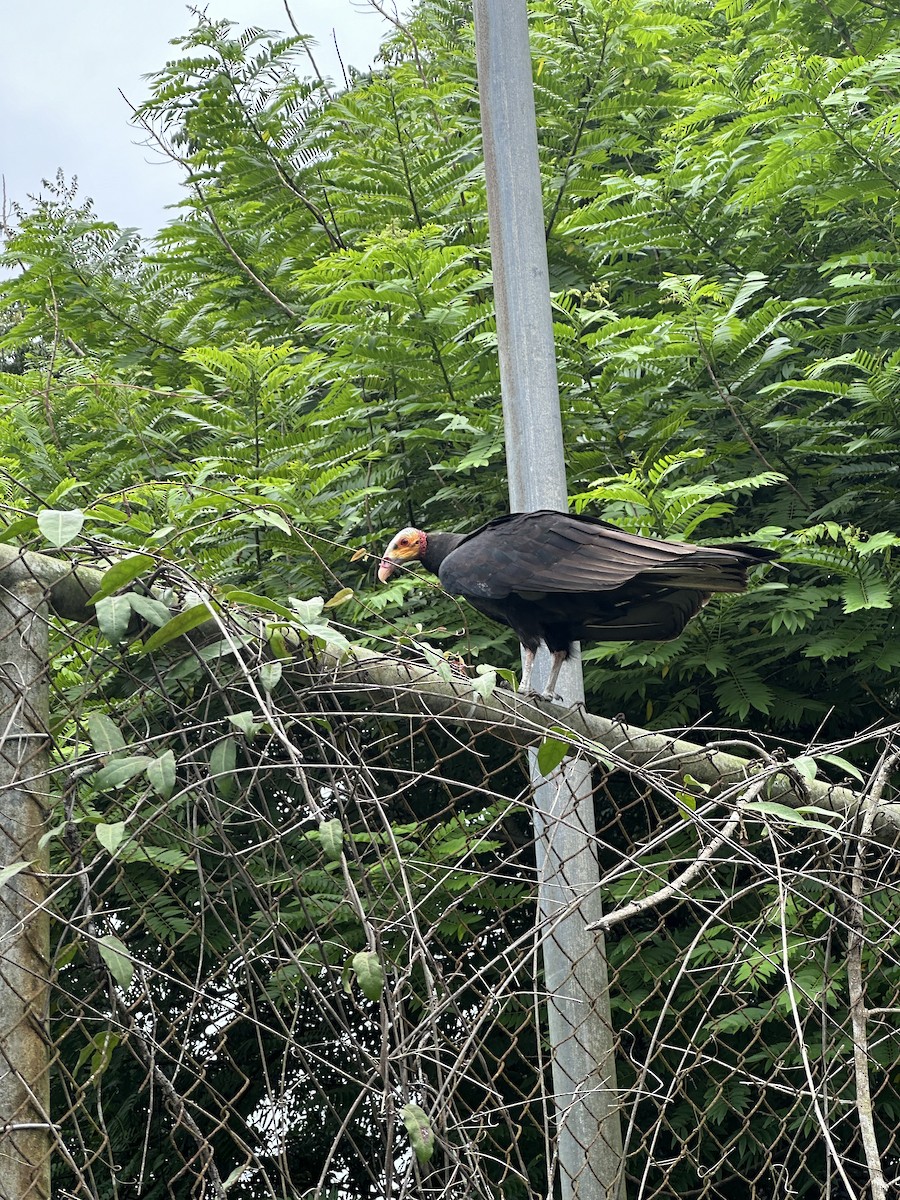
{"x": 558, "y": 578}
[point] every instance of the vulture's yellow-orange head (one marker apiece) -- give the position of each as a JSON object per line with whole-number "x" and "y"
{"x": 407, "y": 546}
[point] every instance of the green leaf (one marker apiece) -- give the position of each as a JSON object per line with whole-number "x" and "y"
{"x": 819, "y": 811}
{"x": 340, "y": 597}
{"x": 245, "y": 722}
{"x": 120, "y": 771}
{"x": 165, "y": 858}
{"x": 161, "y": 774}
{"x": 421, "y": 1135}
{"x": 179, "y": 625}
{"x": 270, "y": 674}
{"x": 865, "y": 591}
{"x": 550, "y": 754}
{"x": 268, "y": 517}
{"x": 369, "y": 975}
{"x": 7, "y": 872}
{"x": 806, "y": 766}
{"x": 110, "y": 836}
{"x": 331, "y": 835}
{"x": 844, "y": 764}
{"x": 63, "y": 489}
{"x": 50, "y": 834}
{"x": 795, "y": 816}
{"x": 17, "y": 528}
{"x": 695, "y": 783}
{"x": 346, "y": 977}
{"x": 307, "y": 611}
{"x": 325, "y": 633}
{"x": 234, "y": 1175}
{"x": 485, "y": 682}
{"x": 105, "y": 735}
{"x": 114, "y": 617}
{"x": 106, "y": 514}
{"x": 238, "y": 596}
{"x": 99, "y": 1050}
{"x": 114, "y": 953}
{"x": 121, "y": 573}
{"x": 65, "y": 955}
{"x": 743, "y": 690}
{"x": 151, "y": 610}
{"x": 774, "y": 809}
{"x": 60, "y": 526}
{"x": 437, "y": 662}
{"x": 283, "y": 641}
{"x": 603, "y": 755}
{"x": 222, "y": 762}
{"x": 878, "y": 541}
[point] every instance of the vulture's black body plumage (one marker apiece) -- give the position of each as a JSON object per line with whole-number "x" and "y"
{"x": 558, "y": 578}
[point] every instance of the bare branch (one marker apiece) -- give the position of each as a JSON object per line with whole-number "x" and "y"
{"x": 855, "y": 984}
{"x": 824, "y": 1126}
{"x": 307, "y": 46}
{"x": 54, "y": 348}
{"x": 395, "y": 688}
{"x": 394, "y": 19}
{"x": 678, "y": 887}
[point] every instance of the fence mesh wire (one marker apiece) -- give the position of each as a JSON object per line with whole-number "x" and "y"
{"x": 296, "y": 948}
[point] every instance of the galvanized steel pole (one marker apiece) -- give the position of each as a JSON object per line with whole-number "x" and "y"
{"x": 576, "y": 979}
{"x": 25, "y": 1131}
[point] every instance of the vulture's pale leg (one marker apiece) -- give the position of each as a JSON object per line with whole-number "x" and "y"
{"x": 558, "y": 658}
{"x": 527, "y": 665}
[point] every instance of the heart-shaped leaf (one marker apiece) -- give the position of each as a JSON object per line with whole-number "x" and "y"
{"x": 60, "y": 525}
{"x": 110, "y": 836}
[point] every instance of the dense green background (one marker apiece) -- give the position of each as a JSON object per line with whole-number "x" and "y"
{"x": 311, "y": 336}
{"x": 304, "y": 360}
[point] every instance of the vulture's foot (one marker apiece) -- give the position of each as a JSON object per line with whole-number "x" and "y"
{"x": 530, "y": 693}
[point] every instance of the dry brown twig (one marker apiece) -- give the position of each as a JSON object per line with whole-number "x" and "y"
{"x": 855, "y": 983}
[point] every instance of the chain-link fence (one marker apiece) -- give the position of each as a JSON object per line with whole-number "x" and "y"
{"x": 297, "y": 937}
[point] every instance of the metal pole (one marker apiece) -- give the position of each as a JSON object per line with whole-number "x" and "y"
{"x": 25, "y": 1133}
{"x": 580, "y": 1025}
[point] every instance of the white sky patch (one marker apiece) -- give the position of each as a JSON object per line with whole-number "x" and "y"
{"x": 63, "y": 66}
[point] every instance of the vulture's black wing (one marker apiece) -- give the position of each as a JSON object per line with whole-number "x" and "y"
{"x": 552, "y": 552}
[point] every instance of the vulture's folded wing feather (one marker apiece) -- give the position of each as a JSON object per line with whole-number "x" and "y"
{"x": 552, "y": 552}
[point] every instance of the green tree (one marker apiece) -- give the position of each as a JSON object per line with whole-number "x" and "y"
{"x": 304, "y": 359}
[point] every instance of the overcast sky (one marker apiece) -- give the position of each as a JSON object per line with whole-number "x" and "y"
{"x": 64, "y": 62}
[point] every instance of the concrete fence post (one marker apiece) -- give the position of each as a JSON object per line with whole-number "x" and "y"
{"x": 589, "y": 1144}
{"x": 25, "y": 1131}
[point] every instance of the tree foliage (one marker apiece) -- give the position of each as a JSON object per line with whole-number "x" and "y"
{"x": 304, "y": 358}
{"x": 307, "y": 349}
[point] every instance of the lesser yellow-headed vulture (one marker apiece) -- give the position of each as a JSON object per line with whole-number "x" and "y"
{"x": 558, "y": 578}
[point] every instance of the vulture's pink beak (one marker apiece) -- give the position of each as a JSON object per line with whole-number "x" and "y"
{"x": 403, "y": 550}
